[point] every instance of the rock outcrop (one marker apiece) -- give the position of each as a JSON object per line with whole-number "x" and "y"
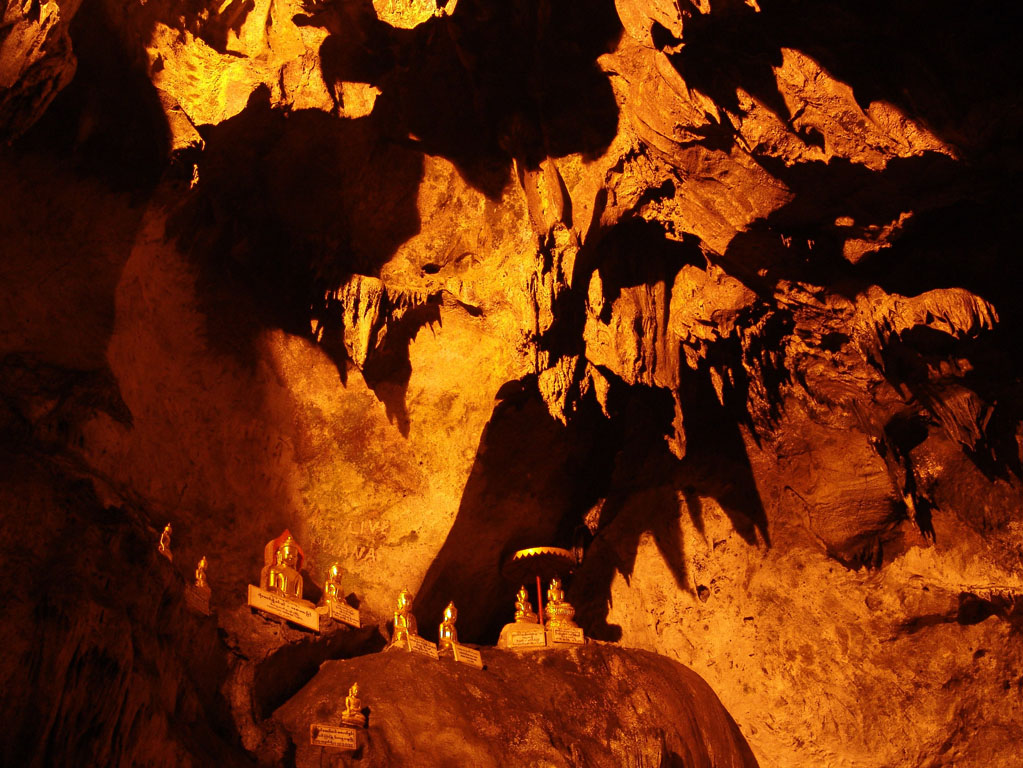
{"x": 595, "y": 705}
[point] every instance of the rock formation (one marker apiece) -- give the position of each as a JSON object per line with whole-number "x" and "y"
{"x": 720, "y": 295}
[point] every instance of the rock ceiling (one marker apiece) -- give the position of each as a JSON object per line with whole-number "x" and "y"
{"x": 721, "y": 294}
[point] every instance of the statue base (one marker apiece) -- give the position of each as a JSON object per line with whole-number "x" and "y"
{"x": 198, "y": 598}
{"x": 355, "y": 721}
{"x": 522, "y": 636}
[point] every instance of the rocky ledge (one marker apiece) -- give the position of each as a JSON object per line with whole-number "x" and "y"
{"x": 594, "y": 705}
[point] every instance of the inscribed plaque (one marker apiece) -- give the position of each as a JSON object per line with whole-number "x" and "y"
{"x": 569, "y": 635}
{"x": 336, "y": 736}
{"x": 422, "y": 646}
{"x": 284, "y": 608}
{"x": 465, "y": 655}
{"x": 344, "y": 613}
{"x": 528, "y": 638}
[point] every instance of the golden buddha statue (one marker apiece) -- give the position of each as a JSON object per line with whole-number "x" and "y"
{"x": 558, "y": 611}
{"x": 164, "y": 546}
{"x": 524, "y": 609}
{"x": 353, "y": 708}
{"x": 404, "y": 622}
{"x": 522, "y": 633}
{"x": 283, "y": 576}
{"x": 447, "y": 634}
{"x": 332, "y": 589}
{"x": 200, "y": 574}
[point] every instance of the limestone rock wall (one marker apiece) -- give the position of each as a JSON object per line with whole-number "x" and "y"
{"x": 722, "y": 295}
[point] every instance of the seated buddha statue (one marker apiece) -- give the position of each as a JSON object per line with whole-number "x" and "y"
{"x": 164, "y": 546}
{"x": 558, "y": 611}
{"x": 200, "y": 574}
{"x": 524, "y": 609}
{"x": 447, "y": 634}
{"x": 283, "y": 576}
{"x": 404, "y": 622}
{"x": 523, "y": 632}
{"x": 332, "y": 589}
{"x": 353, "y": 708}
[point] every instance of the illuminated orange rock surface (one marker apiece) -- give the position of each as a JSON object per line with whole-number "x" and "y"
{"x": 722, "y": 295}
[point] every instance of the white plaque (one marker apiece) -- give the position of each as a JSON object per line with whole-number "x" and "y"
{"x": 528, "y": 638}
{"x": 285, "y": 608}
{"x": 344, "y": 613}
{"x": 198, "y": 599}
{"x": 465, "y": 655}
{"x": 336, "y": 736}
{"x": 567, "y": 635}
{"x": 420, "y": 645}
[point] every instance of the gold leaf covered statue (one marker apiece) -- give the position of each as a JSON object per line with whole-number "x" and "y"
{"x": 558, "y": 611}
{"x": 447, "y": 634}
{"x": 332, "y": 589}
{"x": 525, "y": 632}
{"x": 283, "y": 576}
{"x": 524, "y": 613}
{"x": 404, "y": 622}
{"x": 353, "y": 708}
{"x": 164, "y": 546}
{"x": 200, "y": 574}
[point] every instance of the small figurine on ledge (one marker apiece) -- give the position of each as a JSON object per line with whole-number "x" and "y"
{"x": 404, "y": 622}
{"x": 200, "y": 574}
{"x": 447, "y": 634}
{"x": 525, "y": 632}
{"x": 353, "y": 709}
{"x": 332, "y": 589}
{"x": 280, "y": 584}
{"x": 524, "y": 609}
{"x": 559, "y": 612}
{"x": 164, "y": 546}
{"x": 283, "y": 576}
{"x": 198, "y": 595}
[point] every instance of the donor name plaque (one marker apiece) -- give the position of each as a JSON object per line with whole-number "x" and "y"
{"x": 282, "y": 607}
{"x": 567, "y": 635}
{"x": 528, "y": 638}
{"x": 335, "y": 736}
{"x": 345, "y": 614}
{"x": 422, "y": 646}
{"x": 466, "y": 655}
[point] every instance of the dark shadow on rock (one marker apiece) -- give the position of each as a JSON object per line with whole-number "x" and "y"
{"x": 936, "y": 64}
{"x": 649, "y": 482}
{"x": 531, "y": 483}
{"x": 957, "y": 210}
{"x": 491, "y": 83}
{"x": 98, "y": 610}
{"x": 289, "y": 205}
{"x": 388, "y": 371}
{"x": 108, "y": 122}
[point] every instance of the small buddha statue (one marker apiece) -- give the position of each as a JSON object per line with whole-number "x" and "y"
{"x": 404, "y": 622}
{"x": 164, "y": 546}
{"x": 353, "y": 708}
{"x": 200, "y": 574}
{"x": 522, "y": 633}
{"x": 332, "y": 589}
{"x": 558, "y": 611}
{"x": 447, "y": 634}
{"x": 283, "y": 576}
{"x": 524, "y": 609}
